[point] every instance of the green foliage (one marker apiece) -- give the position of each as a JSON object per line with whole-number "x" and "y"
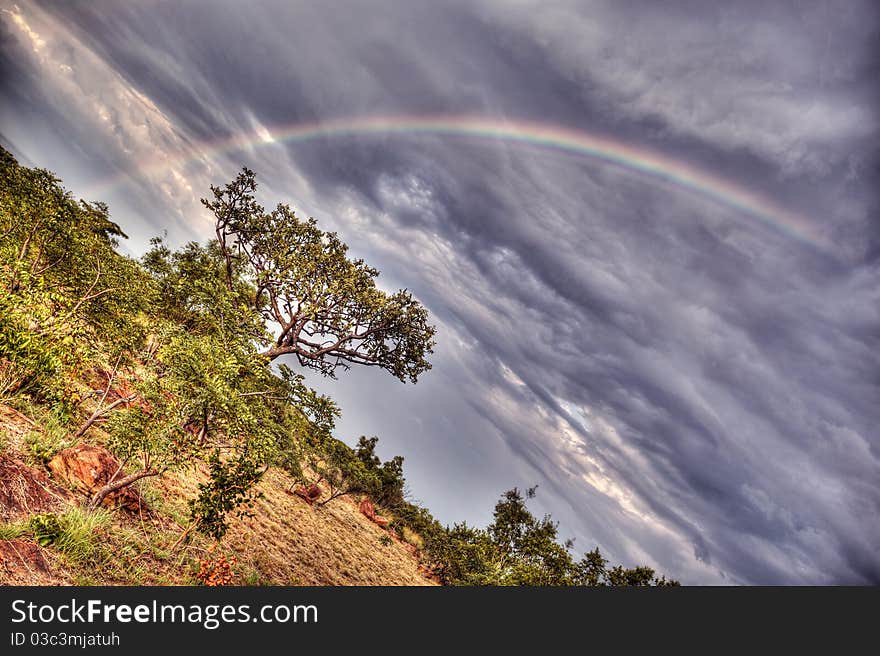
{"x": 517, "y": 548}
{"x": 64, "y": 251}
{"x": 46, "y": 528}
{"x": 350, "y": 471}
{"x": 29, "y": 363}
{"x": 42, "y": 445}
{"x": 228, "y": 489}
{"x": 388, "y": 488}
{"x": 65, "y": 293}
{"x": 328, "y": 308}
{"x": 336, "y": 464}
{"x": 193, "y": 294}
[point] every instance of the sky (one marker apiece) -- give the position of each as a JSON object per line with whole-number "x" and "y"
{"x": 647, "y": 233}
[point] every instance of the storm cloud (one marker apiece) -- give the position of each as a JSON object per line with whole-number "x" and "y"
{"x": 690, "y": 387}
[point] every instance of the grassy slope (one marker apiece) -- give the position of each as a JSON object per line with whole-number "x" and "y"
{"x": 286, "y": 542}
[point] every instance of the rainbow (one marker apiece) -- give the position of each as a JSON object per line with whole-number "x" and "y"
{"x": 600, "y": 148}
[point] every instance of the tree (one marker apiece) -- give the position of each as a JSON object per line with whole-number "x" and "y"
{"x": 193, "y": 292}
{"x": 517, "y": 548}
{"x": 526, "y": 548}
{"x": 334, "y": 463}
{"x": 65, "y": 293}
{"x": 325, "y": 307}
{"x": 389, "y": 474}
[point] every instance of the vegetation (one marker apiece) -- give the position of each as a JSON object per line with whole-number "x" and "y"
{"x": 328, "y": 310}
{"x": 195, "y": 338}
{"x": 76, "y": 534}
{"x": 348, "y": 471}
{"x": 517, "y": 548}
{"x": 180, "y": 376}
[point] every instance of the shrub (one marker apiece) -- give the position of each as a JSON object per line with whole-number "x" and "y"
{"x": 46, "y": 528}
{"x": 388, "y": 487}
{"x": 230, "y": 488}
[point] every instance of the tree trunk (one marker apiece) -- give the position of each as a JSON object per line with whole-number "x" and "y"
{"x": 125, "y": 481}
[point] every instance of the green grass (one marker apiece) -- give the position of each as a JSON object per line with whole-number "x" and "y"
{"x": 42, "y": 445}
{"x": 13, "y": 530}
{"x": 77, "y": 534}
{"x": 80, "y": 540}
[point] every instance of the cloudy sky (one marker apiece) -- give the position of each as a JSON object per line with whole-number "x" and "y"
{"x": 675, "y": 334}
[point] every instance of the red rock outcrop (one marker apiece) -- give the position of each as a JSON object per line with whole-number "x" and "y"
{"x": 89, "y": 468}
{"x": 367, "y": 508}
{"x": 309, "y": 494}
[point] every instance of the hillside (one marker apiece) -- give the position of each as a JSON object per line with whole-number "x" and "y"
{"x": 157, "y": 425}
{"x": 286, "y": 542}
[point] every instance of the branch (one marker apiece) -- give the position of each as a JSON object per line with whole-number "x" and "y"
{"x": 125, "y": 481}
{"x": 100, "y": 412}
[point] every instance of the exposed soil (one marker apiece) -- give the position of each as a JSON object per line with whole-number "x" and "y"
{"x": 25, "y": 563}
{"x": 26, "y": 491}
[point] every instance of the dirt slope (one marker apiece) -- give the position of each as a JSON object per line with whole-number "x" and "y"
{"x": 289, "y": 542}
{"x": 285, "y": 542}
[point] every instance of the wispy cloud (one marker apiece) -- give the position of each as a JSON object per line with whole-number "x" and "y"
{"x": 689, "y": 390}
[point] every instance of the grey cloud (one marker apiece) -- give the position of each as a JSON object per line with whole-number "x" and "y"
{"x": 689, "y": 388}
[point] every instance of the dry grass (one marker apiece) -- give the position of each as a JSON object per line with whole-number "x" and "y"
{"x": 286, "y": 542}
{"x": 15, "y": 426}
{"x": 289, "y": 542}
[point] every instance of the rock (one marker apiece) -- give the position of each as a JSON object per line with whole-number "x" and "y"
{"x": 367, "y": 508}
{"x": 310, "y": 494}
{"x": 89, "y": 468}
{"x": 26, "y": 491}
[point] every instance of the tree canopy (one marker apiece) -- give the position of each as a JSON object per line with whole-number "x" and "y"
{"x": 325, "y": 308}
{"x": 518, "y": 548}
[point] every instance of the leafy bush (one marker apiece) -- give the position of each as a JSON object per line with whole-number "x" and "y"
{"x": 336, "y": 464}
{"x": 229, "y": 488}
{"x": 46, "y": 528}
{"x": 388, "y": 488}
{"x": 29, "y": 364}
